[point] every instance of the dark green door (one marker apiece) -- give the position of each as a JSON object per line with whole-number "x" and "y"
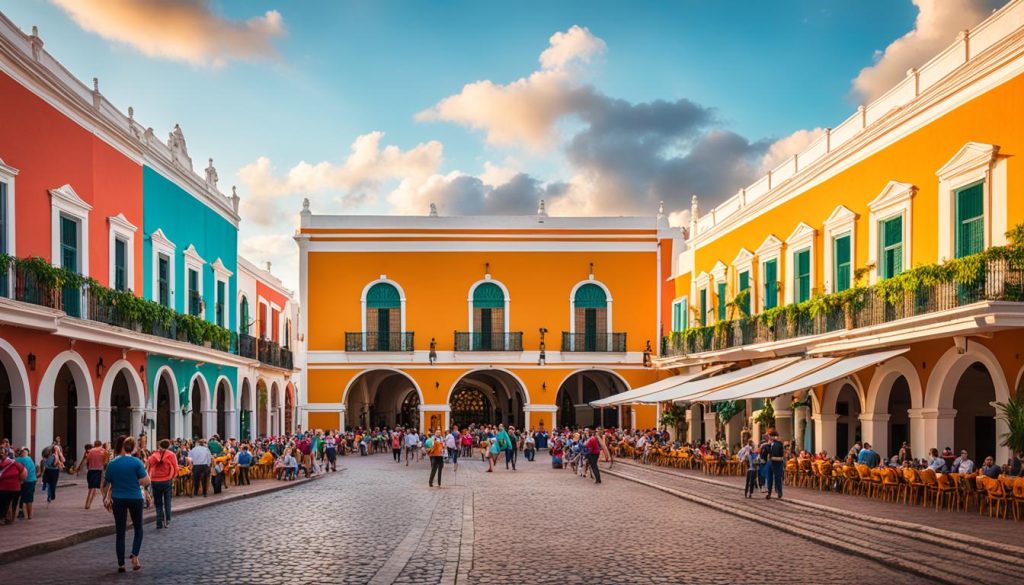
{"x": 590, "y": 330}
{"x": 383, "y": 329}
{"x": 486, "y": 329}
{"x": 246, "y": 415}
{"x": 970, "y": 220}
{"x": 771, "y": 284}
{"x": 69, "y": 261}
{"x": 4, "y": 244}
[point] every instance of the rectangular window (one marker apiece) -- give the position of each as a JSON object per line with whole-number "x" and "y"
{"x": 970, "y": 220}
{"x": 5, "y": 246}
{"x": 842, "y": 258}
{"x": 703, "y": 306}
{"x": 771, "y": 284}
{"x": 69, "y": 261}
{"x": 194, "y": 298}
{"x": 163, "y": 281}
{"x": 721, "y": 301}
{"x": 891, "y": 242}
{"x": 120, "y": 264}
{"x": 744, "y": 282}
{"x": 219, "y": 309}
{"x": 679, "y": 315}
{"x": 802, "y": 276}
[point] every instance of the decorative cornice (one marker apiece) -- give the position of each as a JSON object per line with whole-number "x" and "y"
{"x": 770, "y": 246}
{"x": 801, "y": 232}
{"x": 841, "y": 215}
{"x": 894, "y": 193}
{"x": 158, "y": 237}
{"x": 67, "y": 197}
{"x": 220, "y": 269}
{"x": 970, "y": 157}
{"x": 122, "y": 222}
{"x": 190, "y": 253}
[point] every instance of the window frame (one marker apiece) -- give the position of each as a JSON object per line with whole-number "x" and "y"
{"x": 160, "y": 244}
{"x": 882, "y": 248}
{"x": 469, "y": 302}
{"x": 801, "y": 240}
{"x": 7, "y": 177}
{"x": 682, "y": 304}
{"x": 895, "y": 199}
{"x": 119, "y": 228}
{"x": 193, "y": 261}
{"x": 65, "y": 202}
{"x": 958, "y": 222}
{"x": 973, "y": 163}
{"x": 836, "y": 266}
{"x": 222, "y": 275}
{"x": 362, "y": 309}
{"x": 770, "y": 249}
{"x": 796, "y": 275}
{"x": 842, "y": 221}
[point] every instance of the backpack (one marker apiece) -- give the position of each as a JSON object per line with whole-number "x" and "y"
{"x": 429, "y": 444}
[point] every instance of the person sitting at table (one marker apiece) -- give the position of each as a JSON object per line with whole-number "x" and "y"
{"x": 990, "y": 468}
{"x": 904, "y": 453}
{"x": 936, "y": 463}
{"x": 963, "y": 464}
{"x": 868, "y": 456}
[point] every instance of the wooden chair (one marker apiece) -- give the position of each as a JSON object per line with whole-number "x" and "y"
{"x": 982, "y": 492}
{"x": 947, "y": 491}
{"x": 868, "y": 483}
{"x": 851, "y": 483}
{"x": 995, "y": 496}
{"x": 1018, "y": 498}
{"x": 931, "y": 486}
{"x": 914, "y": 485}
{"x": 805, "y": 473}
{"x": 890, "y": 486}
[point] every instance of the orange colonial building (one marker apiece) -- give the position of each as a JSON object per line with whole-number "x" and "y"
{"x": 930, "y": 175}
{"x": 430, "y": 321}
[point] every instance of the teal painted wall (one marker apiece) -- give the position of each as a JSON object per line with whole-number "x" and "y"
{"x": 183, "y": 372}
{"x": 186, "y": 220}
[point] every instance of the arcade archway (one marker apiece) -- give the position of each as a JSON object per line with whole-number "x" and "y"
{"x": 487, "y": 397}
{"x": 580, "y": 389}
{"x": 166, "y": 405}
{"x": 381, "y": 398}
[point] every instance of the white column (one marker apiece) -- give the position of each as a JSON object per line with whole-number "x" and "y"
{"x": 919, "y": 443}
{"x": 86, "y": 418}
{"x": 709, "y": 424}
{"x": 44, "y": 428}
{"x": 875, "y": 430}
{"x": 103, "y": 424}
{"x": 232, "y": 423}
{"x": 21, "y": 420}
{"x": 937, "y": 429}
{"x": 135, "y": 423}
{"x": 825, "y": 433}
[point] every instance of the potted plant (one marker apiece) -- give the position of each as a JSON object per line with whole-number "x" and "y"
{"x": 1012, "y": 411}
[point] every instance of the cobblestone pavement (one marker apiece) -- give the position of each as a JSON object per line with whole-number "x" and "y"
{"x": 377, "y": 522}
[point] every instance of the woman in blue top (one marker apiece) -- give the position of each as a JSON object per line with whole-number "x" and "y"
{"x": 28, "y": 485}
{"x": 122, "y": 495}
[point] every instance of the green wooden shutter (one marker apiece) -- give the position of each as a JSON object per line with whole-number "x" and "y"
{"x": 891, "y": 256}
{"x": 220, "y": 303}
{"x": 802, "y": 276}
{"x": 721, "y": 301}
{"x": 488, "y": 296}
{"x": 745, "y": 285}
{"x": 590, "y": 296}
{"x": 164, "y": 280}
{"x": 771, "y": 284}
{"x": 243, "y": 316}
{"x": 69, "y": 261}
{"x": 703, "y": 306}
{"x": 120, "y": 264}
{"x": 383, "y": 296}
{"x": 970, "y": 220}
{"x": 841, "y": 256}
{"x": 677, "y": 317}
{"x": 193, "y": 292}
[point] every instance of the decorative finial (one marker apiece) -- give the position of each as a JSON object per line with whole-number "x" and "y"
{"x": 305, "y": 204}
{"x": 661, "y": 208}
{"x": 35, "y": 30}
{"x": 211, "y": 175}
{"x": 268, "y": 265}
{"x": 433, "y": 210}
{"x": 131, "y": 114}
{"x": 540, "y": 209}
{"x": 96, "y": 84}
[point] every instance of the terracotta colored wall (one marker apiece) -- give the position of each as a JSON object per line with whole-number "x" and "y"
{"x": 50, "y": 150}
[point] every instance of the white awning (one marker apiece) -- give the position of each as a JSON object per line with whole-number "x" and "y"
{"x": 688, "y": 389}
{"x": 770, "y": 380}
{"x": 631, "y": 396}
{"x": 830, "y": 373}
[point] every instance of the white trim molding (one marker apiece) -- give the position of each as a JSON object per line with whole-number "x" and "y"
{"x": 469, "y": 302}
{"x": 7, "y": 175}
{"x": 121, "y": 228}
{"x": 362, "y": 304}
{"x": 193, "y": 261}
{"x": 770, "y": 249}
{"x": 895, "y": 199}
{"x": 801, "y": 239}
{"x": 162, "y": 245}
{"x": 64, "y": 201}
{"x": 840, "y": 223}
{"x": 975, "y": 162}
{"x": 222, "y": 274}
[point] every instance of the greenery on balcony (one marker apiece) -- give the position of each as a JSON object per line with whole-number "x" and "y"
{"x": 40, "y": 283}
{"x": 996, "y": 274}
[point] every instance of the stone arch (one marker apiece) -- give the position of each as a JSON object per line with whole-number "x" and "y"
{"x": 246, "y": 408}
{"x": 512, "y": 385}
{"x": 608, "y": 304}
{"x": 45, "y": 409}
{"x": 561, "y": 391}
{"x": 21, "y": 395}
{"x": 938, "y": 411}
{"x": 224, "y": 419}
{"x": 506, "y": 315}
{"x": 289, "y": 407}
{"x": 371, "y": 396}
{"x": 351, "y": 383}
{"x": 136, "y": 392}
{"x": 169, "y": 417}
{"x": 876, "y": 416}
{"x": 202, "y": 409}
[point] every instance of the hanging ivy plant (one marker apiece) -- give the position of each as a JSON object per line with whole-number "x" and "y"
{"x": 673, "y": 416}
{"x": 728, "y": 409}
{"x": 766, "y": 416}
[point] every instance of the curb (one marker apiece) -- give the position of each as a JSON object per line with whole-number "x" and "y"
{"x": 17, "y": 554}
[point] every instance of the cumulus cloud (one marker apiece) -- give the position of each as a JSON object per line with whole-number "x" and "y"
{"x": 460, "y": 194}
{"x": 936, "y": 26}
{"x": 354, "y": 180}
{"x": 278, "y": 249}
{"x": 786, "y": 147}
{"x": 525, "y": 111}
{"x": 183, "y": 30}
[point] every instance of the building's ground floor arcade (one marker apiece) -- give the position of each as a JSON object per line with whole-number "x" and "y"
{"x": 440, "y": 396}
{"x": 937, "y": 395}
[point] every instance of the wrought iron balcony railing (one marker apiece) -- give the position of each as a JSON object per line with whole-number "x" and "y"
{"x": 594, "y": 342}
{"x": 476, "y": 341}
{"x": 374, "y": 341}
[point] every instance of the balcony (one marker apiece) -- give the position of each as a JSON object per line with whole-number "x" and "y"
{"x": 476, "y": 341}
{"x": 373, "y": 341}
{"x": 37, "y": 282}
{"x": 272, "y": 354}
{"x": 247, "y": 346}
{"x": 594, "y": 342}
{"x": 995, "y": 275}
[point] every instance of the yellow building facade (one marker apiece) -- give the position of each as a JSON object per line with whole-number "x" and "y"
{"x": 929, "y": 174}
{"x": 430, "y": 321}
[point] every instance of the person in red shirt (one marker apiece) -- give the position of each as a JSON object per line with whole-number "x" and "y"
{"x": 95, "y": 459}
{"x": 162, "y": 467}
{"x": 12, "y": 474}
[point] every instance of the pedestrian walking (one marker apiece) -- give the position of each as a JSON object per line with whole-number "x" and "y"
{"x": 244, "y": 461}
{"x": 435, "y": 449}
{"x": 751, "y": 459}
{"x": 451, "y": 443}
{"x": 94, "y": 460}
{"x": 51, "y": 472}
{"x": 396, "y": 445}
{"x": 162, "y": 467}
{"x": 122, "y": 494}
{"x": 505, "y": 445}
{"x": 12, "y": 474}
{"x": 28, "y": 485}
{"x": 776, "y": 465}
{"x": 201, "y": 460}
{"x": 412, "y": 444}
{"x": 529, "y": 446}
{"x": 593, "y": 452}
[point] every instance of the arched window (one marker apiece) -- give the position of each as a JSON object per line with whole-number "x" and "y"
{"x": 243, "y": 316}
{"x": 383, "y": 317}
{"x": 590, "y": 317}
{"x": 488, "y": 317}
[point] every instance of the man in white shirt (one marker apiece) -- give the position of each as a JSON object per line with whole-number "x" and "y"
{"x": 451, "y": 445}
{"x": 412, "y": 444}
{"x": 963, "y": 464}
{"x": 201, "y": 460}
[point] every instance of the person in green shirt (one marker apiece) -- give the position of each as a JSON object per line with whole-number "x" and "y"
{"x": 506, "y": 445}
{"x": 216, "y": 449}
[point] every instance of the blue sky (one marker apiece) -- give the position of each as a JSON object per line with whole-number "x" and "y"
{"x": 744, "y": 74}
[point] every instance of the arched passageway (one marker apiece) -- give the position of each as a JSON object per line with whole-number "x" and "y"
{"x": 245, "y": 415}
{"x": 487, "y": 397}
{"x": 223, "y": 400}
{"x": 165, "y": 406}
{"x": 262, "y": 408}
{"x": 580, "y": 389}
{"x": 847, "y": 411}
{"x": 199, "y": 405}
{"x": 974, "y": 427}
{"x": 120, "y": 407}
{"x": 380, "y": 398}
{"x": 898, "y": 427}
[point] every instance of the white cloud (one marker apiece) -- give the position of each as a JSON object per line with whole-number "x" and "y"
{"x": 525, "y": 111}
{"x": 278, "y": 249}
{"x": 183, "y": 30}
{"x": 937, "y": 24}
{"x": 356, "y": 179}
{"x": 575, "y": 44}
{"x": 495, "y": 175}
{"x": 786, "y": 147}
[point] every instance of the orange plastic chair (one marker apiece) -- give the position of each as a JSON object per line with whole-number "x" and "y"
{"x": 914, "y": 485}
{"x": 995, "y": 495}
{"x": 869, "y": 483}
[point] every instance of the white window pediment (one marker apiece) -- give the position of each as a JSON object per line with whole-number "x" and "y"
{"x": 744, "y": 258}
{"x": 893, "y": 195}
{"x": 973, "y": 157}
{"x": 121, "y": 223}
{"x": 702, "y": 279}
{"x": 801, "y": 234}
{"x": 770, "y": 247}
{"x": 839, "y": 223}
{"x": 192, "y": 256}
{"x": 219, "y": 268}
{"x": 841, "y": 217}
{"x": 65, "y": 198}
{"x": 718, "y": 271}
{"x": 160, "y": 239}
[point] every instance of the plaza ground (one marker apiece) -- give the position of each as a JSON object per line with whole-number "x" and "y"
{"x": 377, "y": 522}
